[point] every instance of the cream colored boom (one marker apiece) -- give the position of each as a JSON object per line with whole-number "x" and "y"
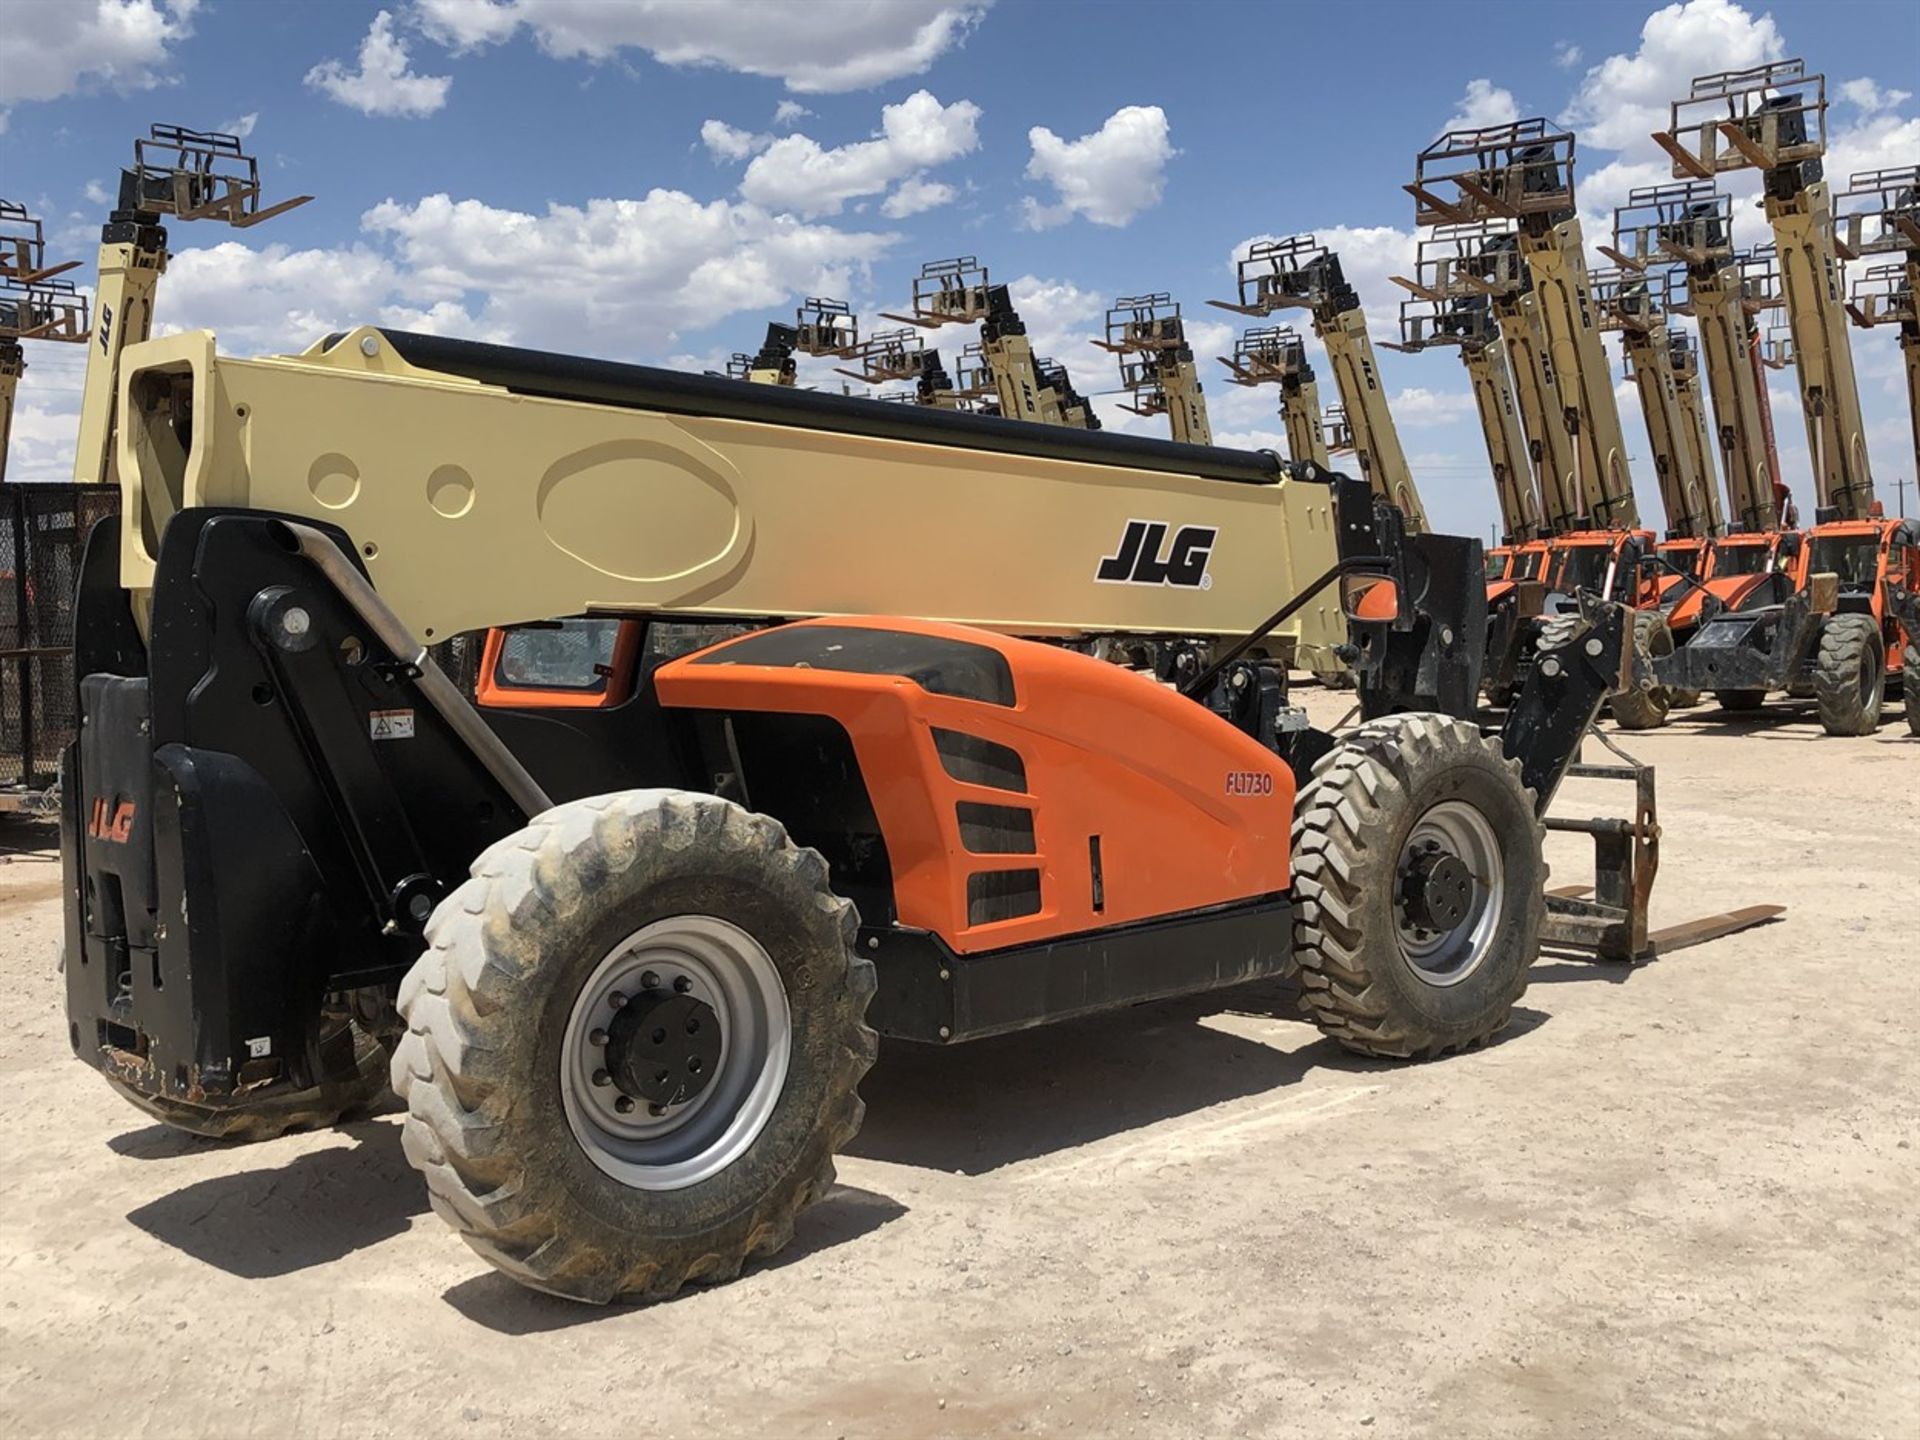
{"x": 1556, "y": 258}
{"x": 1696, "y": 436}
{"x": 1549, "y": 442}
{"x": 1813, "y": 282}
{"x": 1728, "y": 351}
{"x": 1376, "y": 440}
{"x": 475, "y": 506}
{"x": 1187, "y": 404}
{"x": 1506, "y": 443}
{"x": 1687, "y": 495}
{"x": 1300, "y": 415}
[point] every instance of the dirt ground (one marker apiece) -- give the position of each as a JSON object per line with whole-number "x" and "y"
{"x": 1676, "y": 1200}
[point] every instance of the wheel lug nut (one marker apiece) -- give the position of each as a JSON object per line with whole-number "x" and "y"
{"x": 649, "y": 980}
{"x": 624, "y": 1104}
{"x": 682, "y": 983}
{"x": 598, "y": 1037}
{"x": 601, "y": 1077}
{"x": 656, "y": 1110}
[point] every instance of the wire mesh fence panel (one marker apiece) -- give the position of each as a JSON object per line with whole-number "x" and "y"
{"x": 43, "y": 528}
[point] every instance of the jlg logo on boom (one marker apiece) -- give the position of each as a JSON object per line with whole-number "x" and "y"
{"x": 114, "y": 826}
{"x": 1138, "y": 561}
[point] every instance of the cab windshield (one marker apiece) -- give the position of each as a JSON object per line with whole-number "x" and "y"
{"x": 1528, "y": 564}
{"x": 1497, "y": 561}
{"x": 1854, "y": 558}
{"x": 1583, "y": 567}
{"x": 1741, "y": 559}
{"x": 1685, "y": 559}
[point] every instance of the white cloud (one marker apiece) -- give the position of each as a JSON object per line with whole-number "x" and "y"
{"x": 1567, "y": 55}
{"x": 614, "y": 276}
{"x": 51, "y": 50}
{"x": 97, "y": 194}
{"x": 273, "y": 298}
{"x": 1870, "y": 97}
{"x": 796, "y": 173}
{"x": 822, "y": 46}
{"x": 915, "y": 194}
{"x": 790, "y": 113}
{"x": 241, "y": 128}
{"x": 1109, "y": 176}
{"x": 1625, "y": 98}
{"x": 1416, "y": 406}
{"x": 1483, "y": 105}
{"x": 729, "y": 142}
{"x": 385, "y": 83}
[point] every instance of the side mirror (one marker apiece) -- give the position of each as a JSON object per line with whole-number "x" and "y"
{"x": 1368, "y": 596}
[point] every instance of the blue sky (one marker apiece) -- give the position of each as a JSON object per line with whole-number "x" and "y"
{"x": 655, "y": 181}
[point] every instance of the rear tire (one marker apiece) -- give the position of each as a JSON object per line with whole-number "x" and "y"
{"x": 1644, "y": 707}
{"x": 1740, "y": 702}
{"x": 1371, "y": 976}
{"x": 358, "y": 1085}
{"x": 1910, "y": 687}
{"x": 1850, "y": 675}
{"x": 572, "y": 1182}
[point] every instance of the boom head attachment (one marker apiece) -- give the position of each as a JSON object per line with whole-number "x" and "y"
{"x": 1520, "y": 172}
{"x": 1138, "y": 324}
{"x": 1268, "y": 356}
{"x": 826, "y": 328}
{"x": 773, "y": 365}
{"x": 973, "y": 374}
{"x": 1690, "y": 224}
{"x": 1627, "y": 299}
{"x": 950, "y": 292}
{"x": 23, "y": 247}
{"x": 195, "y": 175}
{"x": 1769, "y": 117}
{"x": 1295, "y": 273}
{"x": 42, "y": 310}
{"x": 1339, "y": 431}
{"x": 1884, "y": 296}
{"x": 1878, "y": 213}
{"x": 1776, "y": 347}
{"x": 885, "y": 356}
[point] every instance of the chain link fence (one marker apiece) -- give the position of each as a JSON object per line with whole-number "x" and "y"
{"x": 42, "y": 530}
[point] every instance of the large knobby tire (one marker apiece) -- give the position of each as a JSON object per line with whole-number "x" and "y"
{"x": 355, "y": 1083}
{"x": 1850, "y": 675}
{"x": 1644, "y": 707}
{"x": 1740, "y": 702}
{"x": 1910, "y": 686}
{"x": 602, "y": 910}
{"x": 1371, "y": 976}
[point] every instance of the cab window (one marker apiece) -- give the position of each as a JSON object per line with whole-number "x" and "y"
{"x": 577, "y": 662}
{"x": 1854, "y": 558}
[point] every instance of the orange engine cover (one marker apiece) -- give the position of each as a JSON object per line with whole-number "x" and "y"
{"x": 1024, "y": 791}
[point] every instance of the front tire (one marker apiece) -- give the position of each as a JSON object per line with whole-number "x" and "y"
{"x": 1644, "y": 707}
{"x": 634, "y": 1045}
{"x": 1400, "y": 952}
{"x": 1850, "y": 675}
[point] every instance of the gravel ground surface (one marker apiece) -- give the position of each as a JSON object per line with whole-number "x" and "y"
{"x": 1677, "y": 1200}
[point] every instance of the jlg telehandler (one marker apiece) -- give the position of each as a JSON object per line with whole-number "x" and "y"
{"x": 629, "y": 927}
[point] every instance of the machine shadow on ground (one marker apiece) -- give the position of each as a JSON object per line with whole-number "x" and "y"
{"x": 507, "y": 1307}
{"x": 312, "y": 1210}
{"x": 973, "y": 1108}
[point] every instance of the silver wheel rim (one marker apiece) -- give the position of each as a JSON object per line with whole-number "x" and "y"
{"x": 671, "y": 1147}
{"x": 1446, "y": 957}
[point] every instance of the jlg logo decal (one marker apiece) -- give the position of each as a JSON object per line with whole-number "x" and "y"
{"x": 1249, "y": 782}
{"x": 1138, "y": 561}
{"x": 114, "y": 827}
